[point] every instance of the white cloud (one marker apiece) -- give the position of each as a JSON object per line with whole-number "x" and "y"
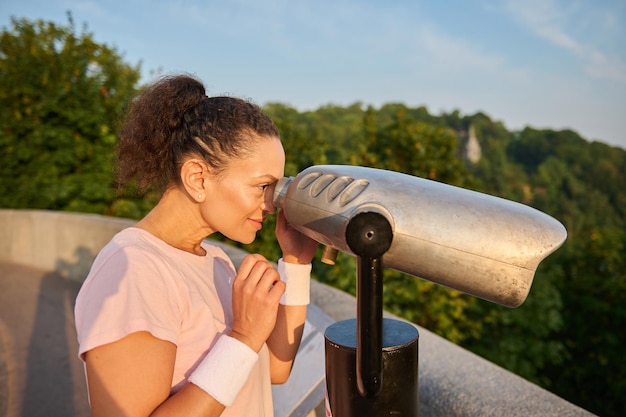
{"x": 549, "y": 19}
{"x": 456, "y": 53}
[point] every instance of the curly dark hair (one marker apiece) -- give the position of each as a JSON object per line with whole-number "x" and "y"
{"x": 173, "y": 119}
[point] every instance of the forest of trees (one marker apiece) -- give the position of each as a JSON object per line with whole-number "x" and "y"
{"x": 61, "y": 95}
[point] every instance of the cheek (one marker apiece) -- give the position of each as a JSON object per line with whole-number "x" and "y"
{"x": 240, "y": 201}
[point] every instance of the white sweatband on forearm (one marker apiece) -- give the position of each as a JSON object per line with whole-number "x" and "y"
{"x": 297, "y": 279}
{"x": 225, "y": 369}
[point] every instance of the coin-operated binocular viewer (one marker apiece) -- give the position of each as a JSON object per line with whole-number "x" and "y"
{"x": 482, "y": 245}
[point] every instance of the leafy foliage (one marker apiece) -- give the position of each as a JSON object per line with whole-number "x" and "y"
{"x": 60, "y": 95}
{"x": 571, "y": 324}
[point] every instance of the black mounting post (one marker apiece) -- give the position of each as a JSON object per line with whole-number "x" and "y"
{"x": 369, "y": 236}
{"x": 363, "y": 353}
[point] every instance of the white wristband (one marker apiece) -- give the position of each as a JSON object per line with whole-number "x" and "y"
{"x": 297, "y": 279}
{"x": 225, "y": 369}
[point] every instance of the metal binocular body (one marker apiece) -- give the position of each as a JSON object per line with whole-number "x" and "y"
{"x": 479, "y": 244}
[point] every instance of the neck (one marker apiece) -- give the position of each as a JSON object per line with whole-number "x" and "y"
{"x": 177, "y": 221}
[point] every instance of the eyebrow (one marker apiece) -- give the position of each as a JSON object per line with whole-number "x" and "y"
{"x": 267, "y": 177}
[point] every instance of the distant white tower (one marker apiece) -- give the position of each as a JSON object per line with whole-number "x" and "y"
{"x": 472, "y": 147}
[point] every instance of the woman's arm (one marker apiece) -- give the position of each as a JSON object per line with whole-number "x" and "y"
{"x": 133, "y": 377}
{"x": 284, "y": 340}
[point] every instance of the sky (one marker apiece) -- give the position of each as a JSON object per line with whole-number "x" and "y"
{"x": 554, "y": 64}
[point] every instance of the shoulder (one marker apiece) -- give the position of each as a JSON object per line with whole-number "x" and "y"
{"x": 127, "y": 250}
{"x": 129, "y": 287}
{"x": 130, "y": 262}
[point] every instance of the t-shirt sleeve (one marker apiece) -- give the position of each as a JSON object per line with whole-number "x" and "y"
{"x": 127, "y": 291}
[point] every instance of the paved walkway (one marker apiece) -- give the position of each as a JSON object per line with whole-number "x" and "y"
{"x": 40, "y": 374}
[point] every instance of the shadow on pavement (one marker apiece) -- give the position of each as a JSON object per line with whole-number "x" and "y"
{"x": 43, "y": 374}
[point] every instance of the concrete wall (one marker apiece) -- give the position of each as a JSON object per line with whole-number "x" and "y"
{"x": 452, "y": 381}
{"x": 55, "y": 241}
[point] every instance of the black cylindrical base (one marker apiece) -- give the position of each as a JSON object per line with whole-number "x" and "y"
{"x": 398, "y": 396}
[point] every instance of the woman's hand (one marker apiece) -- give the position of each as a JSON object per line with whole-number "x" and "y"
{"x": 256, "y": 292}
{"x": 297, "y": 248}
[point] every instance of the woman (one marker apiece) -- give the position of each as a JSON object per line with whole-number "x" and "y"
{"x": 165, "y": 323}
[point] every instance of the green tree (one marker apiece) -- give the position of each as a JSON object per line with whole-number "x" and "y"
{"x": 403, "y": 143}
{"x": 302, "y": 139}
{"x": 60, "y": 98}
{"x": 594, "y": 296}
{"x": 569, "y": 340}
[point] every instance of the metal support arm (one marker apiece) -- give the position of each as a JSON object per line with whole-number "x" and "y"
{"x": 369, "y": 236}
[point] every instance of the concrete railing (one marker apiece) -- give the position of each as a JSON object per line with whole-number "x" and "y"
{"x": 452, "y": 381}
{"x": 55, "y": 241}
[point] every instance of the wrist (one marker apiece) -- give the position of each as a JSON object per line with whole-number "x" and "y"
{"x": 297, "y": 279}
{"x": 256, "y": 346}
{"x": 293, "y": 259}
{"x": 225, "y": 369}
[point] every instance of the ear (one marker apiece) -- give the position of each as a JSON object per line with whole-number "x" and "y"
{"x": 193, "y": 174}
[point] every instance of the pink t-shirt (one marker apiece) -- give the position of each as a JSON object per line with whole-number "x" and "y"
{"x": 140, "y": 283}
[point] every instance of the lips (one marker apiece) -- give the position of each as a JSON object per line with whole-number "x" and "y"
{"x": 258, "y": 224}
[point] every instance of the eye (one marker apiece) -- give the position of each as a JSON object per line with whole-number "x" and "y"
{"x": 266, "y": 188}
{"x": 263, "y": 188}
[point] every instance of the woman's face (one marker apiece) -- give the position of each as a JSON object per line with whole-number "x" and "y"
{"x": 241, "y": 197}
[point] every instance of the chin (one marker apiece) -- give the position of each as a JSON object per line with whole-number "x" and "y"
{"x": 246, "y": 240}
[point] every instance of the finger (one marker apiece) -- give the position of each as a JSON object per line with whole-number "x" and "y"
{"x": 259, "y": 281}
{"x": 276, "y": 291}
{"x": 248, "y": 263}
{"x": 282, "y": 225}
{"x": 269, "y": 277}
{"x": 281, "y": 221}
